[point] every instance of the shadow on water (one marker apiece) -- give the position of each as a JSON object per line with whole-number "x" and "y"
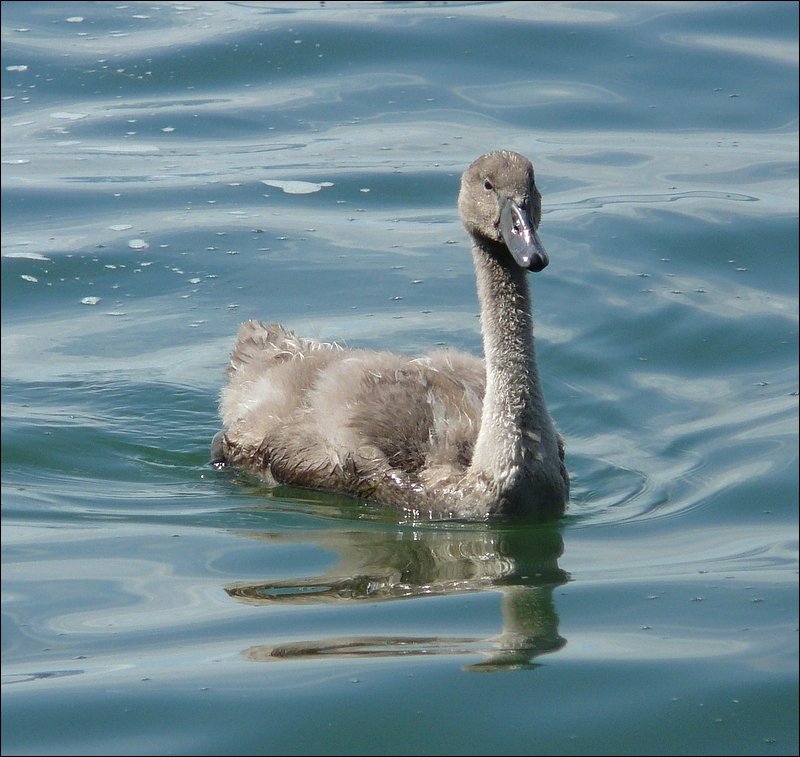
{"x": 380, "y": 565}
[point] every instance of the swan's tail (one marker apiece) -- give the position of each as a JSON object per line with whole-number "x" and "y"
{"x": 259, "y": 342}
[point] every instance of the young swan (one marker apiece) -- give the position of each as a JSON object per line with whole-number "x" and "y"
{"x": 440, "y": 436}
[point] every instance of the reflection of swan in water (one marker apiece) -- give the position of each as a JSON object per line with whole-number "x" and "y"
{"x": 380, "y": 565}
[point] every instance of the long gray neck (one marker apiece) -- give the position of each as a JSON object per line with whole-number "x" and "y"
{"x": 514, "y": 422}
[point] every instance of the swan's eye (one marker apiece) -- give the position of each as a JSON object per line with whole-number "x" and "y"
{"x": 488, "y": 186}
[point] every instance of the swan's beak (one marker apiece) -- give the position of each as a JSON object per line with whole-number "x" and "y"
{"x": 519, "y": 234}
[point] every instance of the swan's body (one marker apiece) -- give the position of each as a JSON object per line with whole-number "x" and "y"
{"x": 445, "y": 435}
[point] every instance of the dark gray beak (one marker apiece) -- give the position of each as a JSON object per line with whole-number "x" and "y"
{"x": 519, "y": 234}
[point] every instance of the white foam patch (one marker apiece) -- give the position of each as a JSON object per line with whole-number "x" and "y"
{"x": 297, "y": 187}
{"x": 25, "y": 255}
{"x": 67, "y": 116}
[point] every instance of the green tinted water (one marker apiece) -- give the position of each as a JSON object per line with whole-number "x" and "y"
{"x": 153, "y": 605}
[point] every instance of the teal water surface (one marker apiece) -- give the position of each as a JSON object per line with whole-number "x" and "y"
{"x": 170, "y": 170}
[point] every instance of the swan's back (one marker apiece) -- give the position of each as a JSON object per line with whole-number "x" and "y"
{"x": 362, "y": 422}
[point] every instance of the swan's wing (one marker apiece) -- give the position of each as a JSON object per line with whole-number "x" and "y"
{"x": 420, "y": 412}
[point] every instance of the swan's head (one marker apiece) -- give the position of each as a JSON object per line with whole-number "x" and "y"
{"x": 499, "y": 202}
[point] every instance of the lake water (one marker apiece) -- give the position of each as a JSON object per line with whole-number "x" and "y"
{"x": 172, "y": 169}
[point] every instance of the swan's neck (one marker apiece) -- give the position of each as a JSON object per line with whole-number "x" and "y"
{"x": 516, "y": 445}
